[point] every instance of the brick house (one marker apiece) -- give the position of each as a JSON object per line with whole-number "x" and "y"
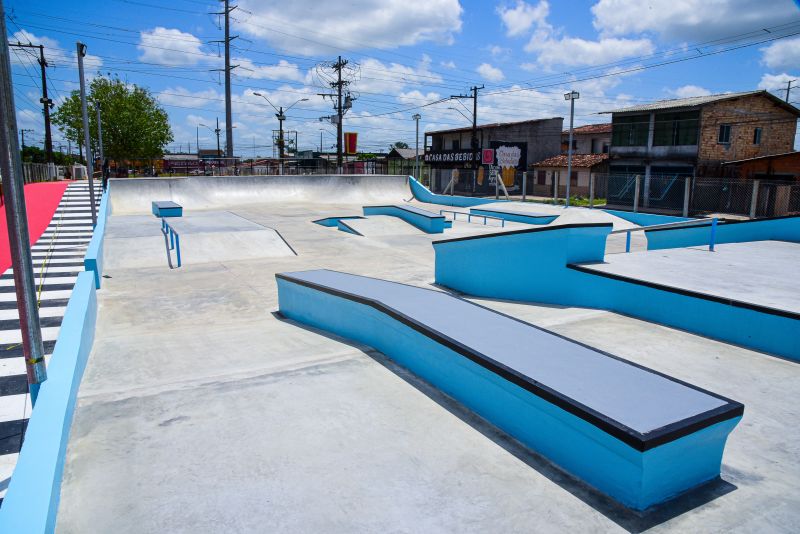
{"x": 588, "y": 139}
{"x": 695, "y": 136}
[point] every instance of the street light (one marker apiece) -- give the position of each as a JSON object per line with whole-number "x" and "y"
{"x": 462, "y": 113}
{"x": 281, "y": 117}
{"x": 416, "y": 117}
{"x": 572, "y": 96}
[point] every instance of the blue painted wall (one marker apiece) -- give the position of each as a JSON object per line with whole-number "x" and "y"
{"x": 93, "y": 260}
{"x": 516, "y": 217}
{"x": 647, "y": 219}
{"x": 782, "y": 228}
{"x": 423, "y": 194}
{"x": 31, "y": 503}
{"x": 637, "y": 479}
{"x": 533, "y": 267}
{"x": 433, "y": 224}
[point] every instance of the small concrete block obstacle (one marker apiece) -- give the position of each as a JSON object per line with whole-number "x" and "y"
{"x": 636, "y": 435}
{"x": 167, "y": 208}
{"x": 427, "y": 221}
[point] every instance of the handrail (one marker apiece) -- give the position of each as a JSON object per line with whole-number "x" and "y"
{"x": 471, "y": 215}
{"x": 172, "y": 241}
{"x": 681, "y": 224}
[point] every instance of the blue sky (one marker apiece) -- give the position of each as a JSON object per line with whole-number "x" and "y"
{"x": 405, "y": 54}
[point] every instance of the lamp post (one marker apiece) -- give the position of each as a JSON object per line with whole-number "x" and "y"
{"x": 416, "y": 117}
{"x": 212, "y": 130}
{"x": 572, "y": 96}
{"x": 281, "y": 117}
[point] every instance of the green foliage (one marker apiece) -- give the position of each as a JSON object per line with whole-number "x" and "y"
{"x": 399, "y": 144}
{"x": 134, "y": 124}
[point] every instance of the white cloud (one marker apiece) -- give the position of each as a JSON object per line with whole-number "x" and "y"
{"x": 776, "y": 82}
{"x": 284, "y": 70}
{"x": 490, "y": 73}
{"x": 448, "y": 64}
{"x": 689, "y": 90}
{"x": 166, "y": 46}
{"x": 690, "y": 20}
{"x": 311, "y": 27}
{"x": 392, "y": 78}
{"x": 522, "y": 16}
{"x": 18, "y": 56}
{"x": 180, "y": 96}
{"x": 574, "y": 51}
{"x": 782, "y": 54}
{"x": 497, "y": 50}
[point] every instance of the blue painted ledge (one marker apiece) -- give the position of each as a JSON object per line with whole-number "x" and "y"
{"x": 639, "y": 456}
{"x": 647, "y": 219}
{"x": 93, "y": 260}
{"x": 423, "y": 194}
{"x": 425, "y": 220}
{"x": 543, "y": 265}
{"x": 512, "y": 216}
{"x": 31, "y": 503}
{"x": 777, "y": 228}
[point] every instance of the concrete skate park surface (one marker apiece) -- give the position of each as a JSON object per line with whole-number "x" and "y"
{"x": 202, "y": 411}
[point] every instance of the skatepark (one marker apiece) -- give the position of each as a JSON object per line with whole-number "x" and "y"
{"x": 355, "y": 353}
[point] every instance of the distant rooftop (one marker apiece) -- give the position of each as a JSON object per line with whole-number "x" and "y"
{"x": 405, "y": 153}
{"x": 578, "y": 160}
{"x": 694, "y": 101}
{"x": 590, "y": 129}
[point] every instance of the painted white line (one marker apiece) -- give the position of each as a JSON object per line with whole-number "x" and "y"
{"x": 49, "y": 333}
{"x": 16, "y": 366}
{"x": 46, "y": 295}
{"x": 47, "y": 311}
{"x": 14, "y": 407}
{"x": 47, "y": 280}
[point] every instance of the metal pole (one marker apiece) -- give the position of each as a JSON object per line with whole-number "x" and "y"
{"x": 416, "y": 117}
{"x": 48, "y": 139}
{"x": 524, "y": 184}
{"x": 228, "y": 109}
{"x": 219, "y": 154}
{"x": 754, "y": 199}
{"x": 638, "y": 182}
{"x": 89, "y": 163}
{"x": 569, "y": 148}
{"x": 591, "y": 190}
{"x": 281, "y": 117}
{"x": 554, "y": 174}
{"x": 16, "y": 217}
{"x": 100, "y": 136}
{"x": 713, "y": 234}
{"x": 687, "y": 187}
{"x": 197, "y": 133}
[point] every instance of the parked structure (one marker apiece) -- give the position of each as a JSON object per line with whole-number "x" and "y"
{"x": 588, "y": 139}
{"x": 548, "y": 172}
{"x": 775, "y": 167}
{"x": 694, "y": 136}
{"x": 449, "y": 154}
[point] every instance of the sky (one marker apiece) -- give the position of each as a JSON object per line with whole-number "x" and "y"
{"x": 404, "y": 57}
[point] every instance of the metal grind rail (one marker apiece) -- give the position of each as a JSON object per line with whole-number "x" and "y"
{"x": 471, "y": 215}
{"x": 172, "y": 241}
{"x": 681, "y": 224}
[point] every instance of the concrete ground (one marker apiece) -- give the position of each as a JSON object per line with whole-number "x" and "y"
{"x": 202, "y": 411}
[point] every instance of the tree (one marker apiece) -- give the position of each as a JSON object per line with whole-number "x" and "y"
{"x": 134, "y": 124}
{"x": 399, "y": 144}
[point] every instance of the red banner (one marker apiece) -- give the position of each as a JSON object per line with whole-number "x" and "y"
{"x": 350, "y": 142}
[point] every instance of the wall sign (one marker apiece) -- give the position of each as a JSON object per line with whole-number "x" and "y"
{"x": 452, "y": 156}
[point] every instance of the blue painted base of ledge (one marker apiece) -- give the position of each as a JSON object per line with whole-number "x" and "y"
{"x": 635, "y": 478}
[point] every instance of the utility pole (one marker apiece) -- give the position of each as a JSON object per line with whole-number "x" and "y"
{"x": 198, "y": 140}
{"x": 320, "y": 140}
{"x": 416, "y": 117}
{"x": 476, "y": 156}
{"x": 340, "y": 107}
{"x": 81, "y": 49}
{"x": 22, "y": 133}
{"x": 217, "y": 130}
{"x": 45, "y": 101}
{"x": 572, "y": 96}
{"x": 281, "y": 154}
{"x": 228, "y": 68}
{"x": 788, "y": 89}
{"x": 17, "y": 220}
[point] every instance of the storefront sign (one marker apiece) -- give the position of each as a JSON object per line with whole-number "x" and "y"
{"x": 454, "y": 156}
{"x": 487, "y": 156}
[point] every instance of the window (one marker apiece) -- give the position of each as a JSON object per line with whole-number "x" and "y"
{"x": 454, "y": 144}
{"x": 573, "y": 179}
{"x": 676, "y": 129}
{"x": 724, "y": 134}
{"x": 541, "y": 177}
{"x": 630, "y": 130}
{"x": 757, "y": 136}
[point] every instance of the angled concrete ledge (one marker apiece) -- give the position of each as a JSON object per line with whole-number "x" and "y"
{"x": 648, "y": 441}
{"x": 785, "y": 228}
{"x": 427, "y": 221}
{"x": 31, "y": 503}
{"x": 515, "y": 216}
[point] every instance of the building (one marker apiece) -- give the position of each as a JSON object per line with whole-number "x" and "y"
{"x": 588, "y": 139}
{"x": 554, "y": 170}
{"x": 401, "y": 161}
{"x": 181, "y": 163}
{"x": 774, "y": 168}
{"x": 695, "y": 136}
{"x": 450, "y": 156}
